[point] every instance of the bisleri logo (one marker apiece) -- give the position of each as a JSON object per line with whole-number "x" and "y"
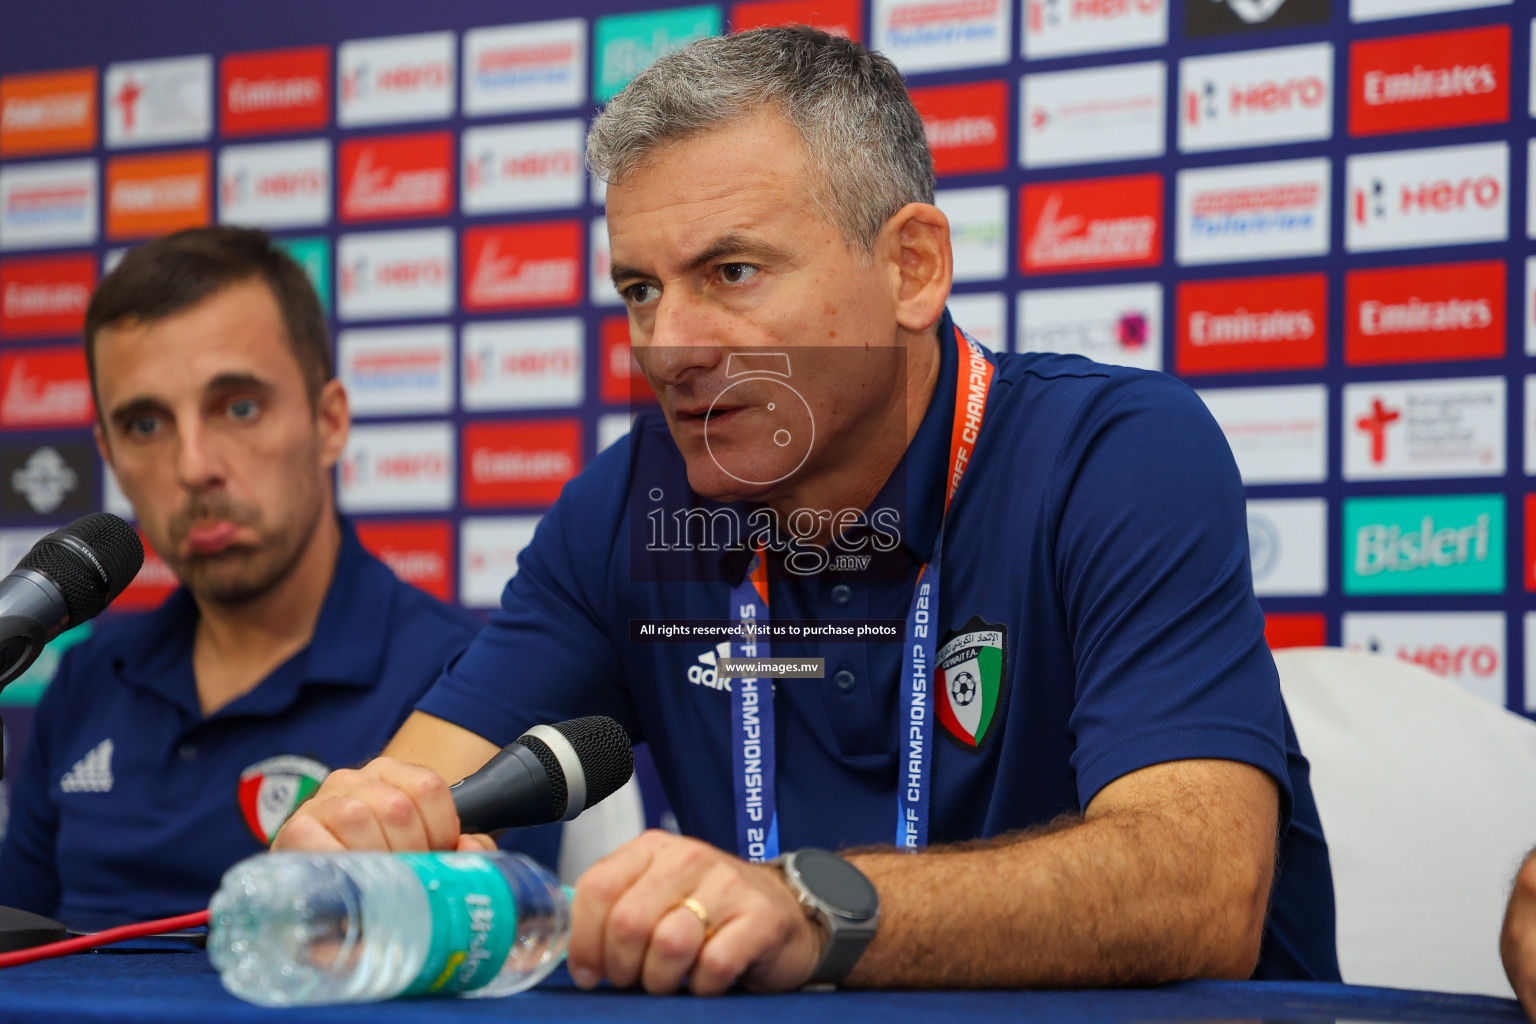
{"x": 1424, "y": 545}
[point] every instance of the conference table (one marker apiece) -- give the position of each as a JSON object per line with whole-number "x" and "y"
{"x": 169, "y": 988}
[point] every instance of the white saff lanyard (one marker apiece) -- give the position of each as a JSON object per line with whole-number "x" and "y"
{"x": 752, "y": 748}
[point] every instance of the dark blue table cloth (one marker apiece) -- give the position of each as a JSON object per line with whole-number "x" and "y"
{"x": 165, "y": 988}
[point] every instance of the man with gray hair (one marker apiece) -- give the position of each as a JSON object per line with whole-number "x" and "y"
{"x": 1062, "y": 760}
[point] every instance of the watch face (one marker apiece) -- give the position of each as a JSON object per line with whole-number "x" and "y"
{"x": 838, "y": 884}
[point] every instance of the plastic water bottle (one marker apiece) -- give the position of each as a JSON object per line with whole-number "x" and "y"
{"x": 297, "y": 929}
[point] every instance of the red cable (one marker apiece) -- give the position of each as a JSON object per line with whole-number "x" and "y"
{"x": 83, "y": 942}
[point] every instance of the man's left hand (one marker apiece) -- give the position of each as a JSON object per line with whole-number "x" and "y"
{"x": 629, "y": 922}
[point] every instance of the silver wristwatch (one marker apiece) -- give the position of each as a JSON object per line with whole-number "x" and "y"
{"x": 837, "y": 896}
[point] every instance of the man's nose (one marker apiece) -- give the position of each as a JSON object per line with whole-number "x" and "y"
{"x": 199, "y": 462}
{"x": 685, "y": 337}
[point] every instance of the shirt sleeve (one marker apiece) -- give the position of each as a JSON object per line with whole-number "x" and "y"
{"x": 546, "y": 655}
{"x": 1152, "y": 564}
{"x": 29, "y": 873}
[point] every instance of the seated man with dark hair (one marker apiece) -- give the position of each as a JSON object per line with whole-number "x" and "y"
{"x": 170, "y": 746}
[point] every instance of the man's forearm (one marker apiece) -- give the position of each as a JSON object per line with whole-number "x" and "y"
{"x": 1126, "y": 898}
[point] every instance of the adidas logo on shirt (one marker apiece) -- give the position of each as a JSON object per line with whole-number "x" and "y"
{"x": 92, "y": 773}
{"x": 705, "y": 673}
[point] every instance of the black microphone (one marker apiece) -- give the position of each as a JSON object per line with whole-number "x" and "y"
{"x": 549, "y": 773}
{"x": 68, "y": 577}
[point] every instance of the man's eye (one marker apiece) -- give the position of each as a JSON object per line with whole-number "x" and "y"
{"x": 244, "y": 409}
{"x": 143, "y": 426}
{"x": 736, "y": 273}
{"x": 641, "y": 294}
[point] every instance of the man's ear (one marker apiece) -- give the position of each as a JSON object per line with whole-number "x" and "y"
{"x": 333, "y": 417}
{"x": 916, "y": 242}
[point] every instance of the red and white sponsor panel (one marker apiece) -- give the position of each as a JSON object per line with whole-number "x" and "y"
{"x": 393, "y": 371}
{"x": 276, "y": 184}
{"x": 1279, "y": 435}
{"x": 1120, "y": 324}
{"x": 154, "y": 102}
{"x": 154, "y": 583}
{"x": 386, "y": 274}
{"x": 522, "y": 364}
{"x": 1424, "y": 313}
{"x": 620, "y": 379}
{"x": 1256, "y": 98}
{"x": 396, "y": 177}
{"x": 49, "y": 205}
{"x": 1381, "y": 10}
{"x": 1432, "y": 80}
{"x": 420, "y": 551}
{"x": 1251, "y": 324}
{"x": 1062, "y": 28}
{"x": 936, "y": 35}
{"x": 1406, "y": 430}
{"x": 600, "y": 289}
{"x": 1467, "y": 648}
{"x": 1448, "y": 195}
{"x": 46, "y": 296}
{"x": 1253, "y": 212}
{"x": 966, "y": 126}
{"x": 396, "y": 79}
{"x": 1097, "y": 224}
{"x": 406, "y": 467}
{"x": 513, "y": 68}
{"x": 488, "y": 550}
{"x": 42, "y": 388}
{"x": 275, "y": 91}
{"x": 521, "y": 464}
{"x": 518, "y": 266}
{"x": 1092, "y": 116}
{"x": 535, "y": 166}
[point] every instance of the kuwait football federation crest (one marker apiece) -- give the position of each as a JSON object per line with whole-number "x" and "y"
{"x": 973, "y": 672}
{"x": 272, "y": 789}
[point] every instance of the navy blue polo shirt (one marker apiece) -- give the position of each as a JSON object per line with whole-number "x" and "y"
{"x": 1097, "y": 545}
{"x": 130, "y": 804}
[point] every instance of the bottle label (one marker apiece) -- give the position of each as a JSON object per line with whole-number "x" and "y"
{"x": 474, "y": 921}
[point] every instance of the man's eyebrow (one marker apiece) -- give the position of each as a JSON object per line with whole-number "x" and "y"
{"x": 224, "y": 382}
{"x": 732, "y": 244}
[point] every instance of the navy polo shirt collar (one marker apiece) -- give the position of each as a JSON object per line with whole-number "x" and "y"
{"x": 345, "y": 649}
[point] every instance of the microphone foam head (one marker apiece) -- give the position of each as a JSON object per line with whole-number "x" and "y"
{"x": 91, "y": 561}
{"x": 607, "y": 757}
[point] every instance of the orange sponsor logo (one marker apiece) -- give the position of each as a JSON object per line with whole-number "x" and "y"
{"x": 155, "y": 195}
{"x": 48, "y": 112}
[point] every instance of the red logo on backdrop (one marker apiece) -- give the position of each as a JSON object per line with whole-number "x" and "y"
{"x": 523, "y": 265}
{"x": 1295, "y": 629}
{"x": 519, "y": 464}
{"x": 1424, "y": 314}
{"x": 835, "y": 17}
{"x": 46, "y": 297}
{"x": 149, "y": 589}
{"x": 397, "y": 176}
{"x": 622, "y": 381}
{"x": 418, "y": 552}
{"x": 966, "y": 125}
{"x": 1434, "y": 80}
{"x": 1530, "y": 542}
{"x": 45, "y": 387}
{"x": 1091, "y": 225}
{"x": 1253, "y": 323}
{"x": 275, "y": 91}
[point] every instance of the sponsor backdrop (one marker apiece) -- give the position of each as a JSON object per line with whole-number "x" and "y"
{"x": 1316, "y": 212}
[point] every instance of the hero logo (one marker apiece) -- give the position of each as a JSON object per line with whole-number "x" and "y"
{"x": 1435, "y": 80}
{"x": 45, "y": 388}
{"x": 396, "y": 273}
{"x": 1256, "y": 98}
{"x": 525, "y": 67}
{"x": 1058, "y": 28}
{"x": 522, "y": 265}
{"x": 400, "y": 78}
{"x": 1258, "y": 211}
{"x": 523, "y": 463}
{"x": 1466, "y": 648}
{"x": 488, "y": 550}
{"x": 1084, "y": 225}
{"x": 522, "y": 364}
{"x": 403, "y": 176}
{"x": 45, "y": 297}
{"x": 1417, "y": 314}
{"x": 407, "y": 466}
{"x": 283, "y": 185}
{"x": 1421, "y": 197}
{"x": 523, "y": 167}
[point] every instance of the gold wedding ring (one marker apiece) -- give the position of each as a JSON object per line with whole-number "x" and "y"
{"x": 696, "y": 908}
